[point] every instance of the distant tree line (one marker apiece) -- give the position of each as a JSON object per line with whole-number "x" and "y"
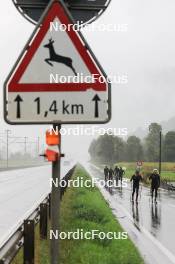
{"x": 109, "y": 148}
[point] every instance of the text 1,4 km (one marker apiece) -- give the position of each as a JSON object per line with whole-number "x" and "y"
{"x": 62, "y": 107}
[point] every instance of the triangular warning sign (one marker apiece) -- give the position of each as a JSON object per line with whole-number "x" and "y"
{"x": 57, "y": 78}
{"x": 57, "y": 58}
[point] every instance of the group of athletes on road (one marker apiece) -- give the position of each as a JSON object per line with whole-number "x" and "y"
{"x": 136, "y": 178}
{"x": 118, "y": 173}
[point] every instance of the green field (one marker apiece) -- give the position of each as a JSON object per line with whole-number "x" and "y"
{"x": 85, "y": 208}
{"x": 168, "y": 169}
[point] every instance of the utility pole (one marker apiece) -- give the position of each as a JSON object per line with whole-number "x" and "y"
{"x": 160, "y": 152}
{"x": 38, "y": 146}
{"x": 25, "y": 145}
{"x": 7, "y": 146}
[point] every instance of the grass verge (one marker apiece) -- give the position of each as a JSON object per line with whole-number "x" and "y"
{"x": 85, "y": 208}
{"x": 168, "y": 169}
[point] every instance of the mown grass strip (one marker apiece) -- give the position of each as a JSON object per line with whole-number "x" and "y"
{"x": 85, "y": 208}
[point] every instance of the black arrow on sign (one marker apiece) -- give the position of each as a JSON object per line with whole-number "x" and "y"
{"x": 96, "y": 99}
{"x": 18, "y": 100}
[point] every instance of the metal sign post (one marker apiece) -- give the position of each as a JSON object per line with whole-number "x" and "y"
{"x": 55, "y": 203}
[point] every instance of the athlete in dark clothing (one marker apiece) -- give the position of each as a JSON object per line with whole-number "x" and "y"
{"x": 136, "y": 178}
{"x": 121, "y": 173}
{"x": 110, "y": 181}
{"x": 111, "y": 173}
{"x": 116, "y": 173}
{"x": 155, "y": 183}
{"x": 106, "y": 172}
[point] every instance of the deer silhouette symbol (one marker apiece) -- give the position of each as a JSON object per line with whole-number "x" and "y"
{"x": 54, "y": 57}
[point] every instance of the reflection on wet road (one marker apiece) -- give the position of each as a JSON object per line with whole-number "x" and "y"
{"x": 155, "y": 223}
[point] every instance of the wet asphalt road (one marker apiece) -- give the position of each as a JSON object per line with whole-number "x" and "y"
{"x": 21, "y": 191}
{"x": 150, "y": 226}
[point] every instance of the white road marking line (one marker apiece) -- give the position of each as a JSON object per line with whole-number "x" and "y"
{"x": 164, "y": 250}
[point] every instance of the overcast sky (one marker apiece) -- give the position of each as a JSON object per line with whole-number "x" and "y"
{"x": 145, "y": 53}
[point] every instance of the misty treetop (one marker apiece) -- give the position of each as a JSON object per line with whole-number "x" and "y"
{"x": 111, "y": 149}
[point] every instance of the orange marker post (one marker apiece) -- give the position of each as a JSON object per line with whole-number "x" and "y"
{"x": 52, "y": 139}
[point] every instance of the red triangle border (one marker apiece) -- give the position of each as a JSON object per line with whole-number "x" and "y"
{"x": 56, "y": 10}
